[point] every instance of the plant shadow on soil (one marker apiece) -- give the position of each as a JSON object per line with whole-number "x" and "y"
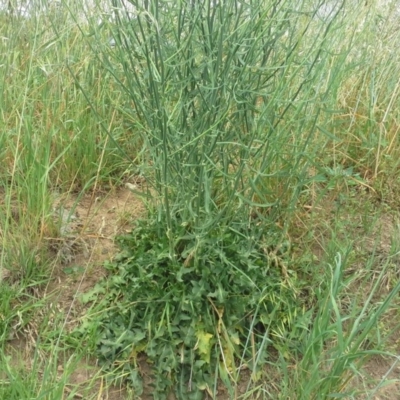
{"x": 92, "y": 224}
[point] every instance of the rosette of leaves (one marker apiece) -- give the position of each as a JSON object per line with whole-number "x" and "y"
{"x": 194, "y": 318}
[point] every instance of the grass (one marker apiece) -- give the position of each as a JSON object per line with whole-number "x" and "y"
{"x": 268, "y": 140}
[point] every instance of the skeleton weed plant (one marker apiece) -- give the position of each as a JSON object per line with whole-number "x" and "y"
{"x": 226, "y": 96}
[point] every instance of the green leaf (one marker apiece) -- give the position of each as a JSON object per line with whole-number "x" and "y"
{"x": 93, "y": 294}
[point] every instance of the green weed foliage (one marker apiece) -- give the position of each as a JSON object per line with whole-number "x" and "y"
{"x": 217, "y": 92}
{"x": 192, "y": 315}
